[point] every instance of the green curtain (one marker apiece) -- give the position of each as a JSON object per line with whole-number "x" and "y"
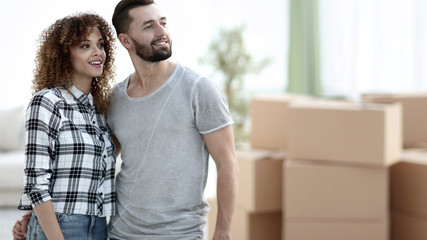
{"x": 304, "y": 52}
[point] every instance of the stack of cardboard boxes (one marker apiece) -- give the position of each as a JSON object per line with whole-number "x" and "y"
{"x": 408, "y": 196}
{"x": 336, "y": 176}
{"x": 269, "y": 134}
{"x": 408, "y": 177}
{"x": 321, "y": 169}
{"x": 259, "y": 202}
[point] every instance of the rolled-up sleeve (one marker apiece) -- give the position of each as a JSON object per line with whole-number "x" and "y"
{"x": 42, "y": 124}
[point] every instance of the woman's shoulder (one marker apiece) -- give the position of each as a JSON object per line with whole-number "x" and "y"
{"x": 48, "y": 95}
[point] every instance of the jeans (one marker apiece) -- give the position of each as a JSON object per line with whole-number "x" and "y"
{"x": 74, "y": 226}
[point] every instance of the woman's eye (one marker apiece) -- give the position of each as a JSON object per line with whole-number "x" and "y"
{"x": 85, "y": 46}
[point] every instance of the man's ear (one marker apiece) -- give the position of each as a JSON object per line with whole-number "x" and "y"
{"x": 124, "y": 40}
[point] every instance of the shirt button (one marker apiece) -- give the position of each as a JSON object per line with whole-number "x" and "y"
{"x": 105, "y": 156}
{"x": 93, "y": 122}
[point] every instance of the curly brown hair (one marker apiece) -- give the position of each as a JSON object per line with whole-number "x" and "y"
{"x": 53, "y": 64}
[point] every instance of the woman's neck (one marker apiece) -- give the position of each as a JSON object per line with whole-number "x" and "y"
{"x": 83, "y": 85}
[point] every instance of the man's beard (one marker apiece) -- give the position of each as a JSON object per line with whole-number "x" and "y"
{"x": 150, "y": 54}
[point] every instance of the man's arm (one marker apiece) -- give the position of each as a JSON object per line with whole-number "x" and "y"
{"x": 19, "y": 230}
{"x": 220, "y": 145}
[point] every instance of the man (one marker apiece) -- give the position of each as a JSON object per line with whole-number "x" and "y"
{"x": 168, "y": 119}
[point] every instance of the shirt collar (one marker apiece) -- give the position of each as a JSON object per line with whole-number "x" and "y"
{"x": 81, "y": 97}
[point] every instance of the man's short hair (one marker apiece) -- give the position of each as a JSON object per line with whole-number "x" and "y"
{"x": 121, "y": 18}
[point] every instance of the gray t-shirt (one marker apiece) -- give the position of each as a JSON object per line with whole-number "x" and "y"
{"x": 165, "y": 160}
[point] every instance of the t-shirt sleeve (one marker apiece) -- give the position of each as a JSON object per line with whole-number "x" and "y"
{"x": 210, "y": 107}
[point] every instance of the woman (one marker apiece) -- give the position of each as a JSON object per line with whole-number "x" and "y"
{"x": 70, "y": 155}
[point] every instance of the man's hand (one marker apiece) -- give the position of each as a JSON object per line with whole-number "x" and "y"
{"x": 19, "y": 230}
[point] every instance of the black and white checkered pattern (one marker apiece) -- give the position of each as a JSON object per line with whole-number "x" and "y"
{"x": 70, "y": 155}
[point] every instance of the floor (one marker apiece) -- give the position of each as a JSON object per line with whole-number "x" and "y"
{"x": 8, "y": 217}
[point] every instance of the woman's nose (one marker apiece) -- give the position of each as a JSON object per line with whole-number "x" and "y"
{"x": 96, "y": 51}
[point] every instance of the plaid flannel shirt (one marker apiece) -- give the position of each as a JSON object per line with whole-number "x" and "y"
{"x": 70, "y": 155}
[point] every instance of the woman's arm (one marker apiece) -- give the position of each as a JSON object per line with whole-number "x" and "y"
{"x": 42, "y": 125}
{"x": 47, "y": 219}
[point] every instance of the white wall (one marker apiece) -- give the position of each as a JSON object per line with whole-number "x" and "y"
{"x": 373, "y": 46}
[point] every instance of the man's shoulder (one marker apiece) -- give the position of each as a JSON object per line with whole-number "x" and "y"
{"x": 193, "y": 77}
{"x": 189, "y": 72}
{"x": 117, "y": 88}
{"x": 121, "y": 83}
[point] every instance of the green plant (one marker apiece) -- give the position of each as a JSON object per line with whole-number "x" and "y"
{"x": 228, "y": 56}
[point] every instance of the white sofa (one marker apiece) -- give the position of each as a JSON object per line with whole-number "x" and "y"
{"x": 12, "y": 160}
{"x": 11, "y": 177}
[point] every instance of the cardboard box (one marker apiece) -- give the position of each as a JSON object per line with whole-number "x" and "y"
{"x": 269, "y": 120}
{"x": 317, "y": 190}
{"x": 368, "y": 134}
{"x": 336, "y": 230}
{"x": 408, "y": 182}
{"x": 260, "y": 179}
{"x": 257, "y": 226}
{"x": 407, "y": 227}
{"x": 414, "y": 114}
{"x": 248, "y": 225}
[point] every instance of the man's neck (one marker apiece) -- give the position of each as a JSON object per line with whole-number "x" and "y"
{"x": 149, "y": 76}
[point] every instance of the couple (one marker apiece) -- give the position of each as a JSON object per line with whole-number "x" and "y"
{"x": 164, "y": 118}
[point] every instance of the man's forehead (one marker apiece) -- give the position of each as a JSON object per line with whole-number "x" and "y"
{"x": 146, "y": 13}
